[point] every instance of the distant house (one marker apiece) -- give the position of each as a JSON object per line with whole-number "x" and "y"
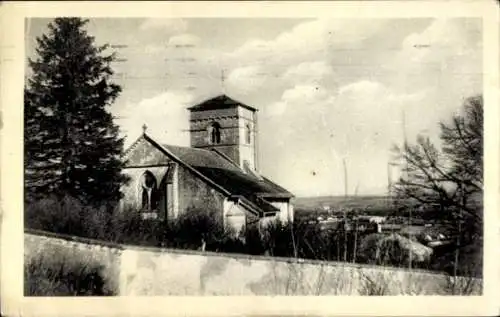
{"x": 218, "y": 172}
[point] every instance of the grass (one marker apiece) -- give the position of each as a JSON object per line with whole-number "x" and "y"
{"x": 46, "y": 275}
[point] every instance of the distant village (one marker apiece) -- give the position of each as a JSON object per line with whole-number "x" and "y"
{"x": 362, "y": 220}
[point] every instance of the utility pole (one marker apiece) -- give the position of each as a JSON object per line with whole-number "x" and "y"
{"x": 356, "y": 226}
{"x": 345, "y": 210}
{"x": 389, "y": 185}
{"x": 406, "y": 174}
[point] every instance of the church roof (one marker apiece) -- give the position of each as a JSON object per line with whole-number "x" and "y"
{"x": 251, "y": 189}
{"x": 200, "y": 157}
{"x": 227, "y": 174}
{"x": 220, "y": 102}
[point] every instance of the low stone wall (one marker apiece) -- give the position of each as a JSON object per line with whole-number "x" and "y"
{"x": 159, "y": 272}
{"x": 41, "y": 248}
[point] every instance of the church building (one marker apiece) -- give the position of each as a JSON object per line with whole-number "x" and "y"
{"x": 219, "y": 172}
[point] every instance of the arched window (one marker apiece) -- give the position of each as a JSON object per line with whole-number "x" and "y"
{"x": 214, "y": 133}
{"x": 248, "y": 134}
{"x": 148, "y": 191}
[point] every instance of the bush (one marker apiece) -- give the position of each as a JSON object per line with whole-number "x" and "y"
{"x": 394, "y": 250}
{"x": 200, "y": 229}
{"x": 128, "y": 227}
{"x": 69, "y": 216}
{"x": 253, "y": 241}
{"x": 304, "y": 240}
{"x": 189, "y": 231}
{"x": 61, "y": 215}
{"x": 470, "y": 260}
{"x": 53, "y": 276}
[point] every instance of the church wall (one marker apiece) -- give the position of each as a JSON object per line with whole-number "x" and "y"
{"x": 200, "y": 115}
{"x": 143, "y": 153}
{"x": 247, "y": 150}
{"x": 246, "y": 153}
{"x": 235, "y": 216}
{"x": 233, "y": 133}
{"x": 131, "y": 190}
{"x": 142, "y": 157}
{"x": 229, "y": 131}
{"x": 286, "y": 210}
{"x": 195, "y": 193}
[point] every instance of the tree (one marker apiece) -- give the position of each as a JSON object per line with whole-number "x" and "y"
{"x": 71, "y": 143}
{"x": 449, "y": 179}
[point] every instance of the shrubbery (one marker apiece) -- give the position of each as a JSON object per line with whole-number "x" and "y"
{"x": 55, "y": 276}
{"x": 195, "y": 229}
{"x": 190, "y": 230}
{"x": 203, "y": 230}
{"x": 200, "y": 229}
{"x": 305, "y": 240}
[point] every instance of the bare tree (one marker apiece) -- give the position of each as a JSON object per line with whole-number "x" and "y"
{"x": 449, "y": 178}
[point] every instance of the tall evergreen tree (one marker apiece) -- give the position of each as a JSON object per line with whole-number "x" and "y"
{"x": 72, "y": 146}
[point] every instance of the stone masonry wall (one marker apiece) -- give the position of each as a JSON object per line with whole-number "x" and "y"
{"x": 50, "y": 250}
{"x": 153, "y": 271}
{"x": 195, "y": 193}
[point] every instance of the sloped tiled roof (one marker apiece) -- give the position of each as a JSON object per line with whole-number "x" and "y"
{"x": 252, "y": 190}
{"x": 239, "y": 183}
{"x": 200, "y": 157}
{"x": 220, "y": 102}
{"x": 227, "y": 174}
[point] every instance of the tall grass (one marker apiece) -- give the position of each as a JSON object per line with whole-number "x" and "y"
{"x": 63, "y": 276}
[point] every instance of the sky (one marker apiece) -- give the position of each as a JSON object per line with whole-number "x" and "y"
{"x": 328, "y": 91}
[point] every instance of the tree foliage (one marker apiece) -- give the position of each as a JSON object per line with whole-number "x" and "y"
{"x": 450, "y": 178}
{"x": 72, "y": 146}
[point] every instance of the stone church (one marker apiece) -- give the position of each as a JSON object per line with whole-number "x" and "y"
{"x": 219, "y": 172}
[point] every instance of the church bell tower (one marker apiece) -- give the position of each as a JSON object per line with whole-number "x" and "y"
{"x": 228, "y": 126}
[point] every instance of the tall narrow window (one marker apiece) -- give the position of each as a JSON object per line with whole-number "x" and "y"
{"x": 148, "y": 191}
{"x": 214, "y": 133}
{"x": 248, "y": 134}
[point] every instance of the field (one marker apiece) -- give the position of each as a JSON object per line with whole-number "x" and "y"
{"x": 310, "y": 208}
{"x": 368, "y": 202}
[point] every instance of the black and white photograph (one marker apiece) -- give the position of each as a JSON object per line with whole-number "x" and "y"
{"x": 253, "y": 156}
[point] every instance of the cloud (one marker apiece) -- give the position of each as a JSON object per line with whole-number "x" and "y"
{"x": 446, "y": 59}
{"x": 184, "y": 40}
{"x": 367, "y": 116}
{"x": 446, "y": 48}
{"x": 443, "y": 35}
{"x": 308, "y": 40}
{"x": 247, "y": 79}
{"x": 174, "y": 25}
{"x": 307, "y": 99}
{"x": 362, "y": 116}
{"x": 165, "y": 115}
{"x": 314, "y": 129}
{"x": 308, "y": 72}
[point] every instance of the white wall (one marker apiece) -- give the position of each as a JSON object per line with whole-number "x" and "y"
{"x": 234, "y": 216}
{"x": 152, "y": 271}
{"x": 286, "y": 211}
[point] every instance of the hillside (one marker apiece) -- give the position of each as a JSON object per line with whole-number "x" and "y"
{"x": 369, "y": 203}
